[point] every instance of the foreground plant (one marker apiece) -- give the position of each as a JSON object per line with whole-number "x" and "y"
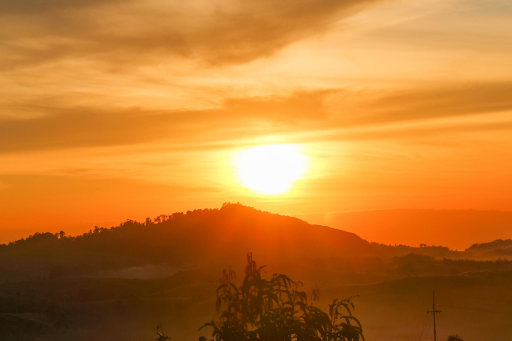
{"x": 161, "y": 334}
{"x": 276, "y": 310}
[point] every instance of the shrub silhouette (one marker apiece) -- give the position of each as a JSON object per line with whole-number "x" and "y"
{"x": 454, "y": 338}
{"x": 276, "y": 310}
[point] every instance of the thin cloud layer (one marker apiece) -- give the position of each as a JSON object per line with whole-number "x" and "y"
{"x": 314, "y": 111}
{"x": 429, "y": 103}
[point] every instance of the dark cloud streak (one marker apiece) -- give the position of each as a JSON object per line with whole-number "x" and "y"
{"x": 43, "y": 6}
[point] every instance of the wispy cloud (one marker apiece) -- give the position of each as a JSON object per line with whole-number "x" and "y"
{"x": 440, "y": 101}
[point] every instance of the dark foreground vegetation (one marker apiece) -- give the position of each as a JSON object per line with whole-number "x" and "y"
{"x": 119, "y": 283}
{"x": 277, "y": 310}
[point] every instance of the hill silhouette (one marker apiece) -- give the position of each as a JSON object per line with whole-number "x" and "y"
{"x": 495, "y": 245}
{"x": 202, "y": 238}
{"x": 179, "y": 240}
{"x": 496, "y": 249}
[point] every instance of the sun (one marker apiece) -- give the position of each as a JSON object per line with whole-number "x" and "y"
{"x": 270, "y": 169}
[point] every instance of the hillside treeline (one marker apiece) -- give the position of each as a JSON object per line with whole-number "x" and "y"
{"x": 203, "y": 237}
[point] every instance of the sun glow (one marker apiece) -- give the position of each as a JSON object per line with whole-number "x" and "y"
{"x": 271, "y": 169}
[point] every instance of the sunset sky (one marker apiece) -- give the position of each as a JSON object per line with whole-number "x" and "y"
{"x": 113, "y": 110}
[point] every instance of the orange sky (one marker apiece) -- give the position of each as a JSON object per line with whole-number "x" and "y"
{"x": 120, "y": 110}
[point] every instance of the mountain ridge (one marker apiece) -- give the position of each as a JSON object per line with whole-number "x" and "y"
{"x": 200, "y": 238}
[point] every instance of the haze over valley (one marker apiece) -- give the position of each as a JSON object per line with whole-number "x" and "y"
{"x": 117, "y": 283}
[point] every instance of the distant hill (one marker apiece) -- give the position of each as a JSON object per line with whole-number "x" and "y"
{"x": 498, "y": 244}
{"x": 210, "y": 238}
{"x": 496, "y": 249}
{"x": 180, "y": 240}
{"x": 456, "y": 229}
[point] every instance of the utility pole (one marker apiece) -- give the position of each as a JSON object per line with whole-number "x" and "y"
{"x": 434, "y": 311}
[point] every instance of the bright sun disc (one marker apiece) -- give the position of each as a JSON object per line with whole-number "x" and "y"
{"x": 270, "y": 169}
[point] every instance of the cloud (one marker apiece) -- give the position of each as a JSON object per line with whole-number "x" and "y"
{"x": 38, "y": 6}
{"x": 356, "y": 115}
{"x": 89, "y": 127}
{"x": 135, "y": 32}
{"x": 444, "y": 101}
{"x": 418, "y": 132}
